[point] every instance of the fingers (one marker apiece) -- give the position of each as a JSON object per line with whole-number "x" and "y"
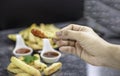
{"x": 72, "y": 35}
{"x": 76, "y": 27}
{"x": 67, "y": 49}
{"x": 73, "y": 32}
{"x": 72, "y": 27}
{"x": 75, "y": 50}
{"x": 69, "y": 27}
{"x": 64, "y": 42}
{"x": 79, "y": 49}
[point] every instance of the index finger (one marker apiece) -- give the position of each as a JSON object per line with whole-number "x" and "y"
{"x": 72, "y": 27}
{"x": 76, "y": 27}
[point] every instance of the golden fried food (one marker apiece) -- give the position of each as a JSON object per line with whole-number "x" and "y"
{"x": 11, "y": 65}
{"x": 31, "y": 66}
{"x": 38, "y": 33}
{"x": 23, "y": 74}
{"x": 17, "y": 70}
{"x": 25, "y": 67}
{"x": 41, "y": 66}
{"x": 12, "y": 37}
{"x": 14, "y": 69}
{"x": 53, "y": 68}
{"x": 47, "y": 30}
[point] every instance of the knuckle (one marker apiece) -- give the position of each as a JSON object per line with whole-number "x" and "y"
{"x": 58, "y": 43}
{"x": 71, "y": 25}
{"x": 71, "y": 43}
{"x": 71, "y": 49}
{"x": 89, "y": 28}
{"x": 65, "y": 33}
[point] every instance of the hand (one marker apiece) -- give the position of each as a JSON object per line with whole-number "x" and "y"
{"x": 85, "y": 43}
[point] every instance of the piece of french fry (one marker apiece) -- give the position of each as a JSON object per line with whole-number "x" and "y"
{"x": 25, "y": 67}
{"x": 38, "y": 57}
{"x": 21, "y": 58}
{"x": 34, "y": 46}
{"x": 11, "y": 65}
{"x": 12, "y": 37}
{"x": 53, "y": 68}
{"x": 41, "y": 66}
{"x": 23, "y": 74}
{"x": 24, "y": 33}
{"x": 31, "y": 38}
{"x": 14, "y": 69}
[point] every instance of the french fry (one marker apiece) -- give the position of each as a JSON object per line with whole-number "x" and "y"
{"x": 34, "y": 46}
{"x": 25, "y": 67}
{"x": 38, "y": 57}
{"x": 41, "y": 66}
{"x": 11, "y": 65}
{"x": 12, "y": 37}
{"x": 21, "y": 58}
{"x": 39, "y": 41}
{"x": 31, "y": 38}
{"x": 53, "y": 68}
{"x": 24, "y": 33}
{"x": 15, "y": 70}
{"x": 23, "y": 74}
{"x": 42, "y": 26}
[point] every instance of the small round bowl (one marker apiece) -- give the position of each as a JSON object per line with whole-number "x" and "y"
{"x": 51, "y": 59}
{"x": 23, "y": 54}
{"x": 20, "y": 47}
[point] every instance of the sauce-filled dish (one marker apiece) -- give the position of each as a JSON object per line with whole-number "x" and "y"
{"x": 20, "y": 48}
{"x": 50, "y": 54}
{"x": 22, "y": 51}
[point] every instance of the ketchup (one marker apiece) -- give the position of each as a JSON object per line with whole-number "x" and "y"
{"x": 50, "y": 54}
{"x": 22, "y": 51}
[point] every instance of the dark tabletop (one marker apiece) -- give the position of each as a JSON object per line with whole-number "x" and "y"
{"x": 72, "y": 65}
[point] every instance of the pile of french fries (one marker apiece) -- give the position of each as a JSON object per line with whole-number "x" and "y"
{"x": 35, "y": 68}
{"x": 34, "y": 42}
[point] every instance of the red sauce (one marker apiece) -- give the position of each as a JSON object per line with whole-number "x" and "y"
{"x": 22, "y": 51}
{"x": 50, "y": 54}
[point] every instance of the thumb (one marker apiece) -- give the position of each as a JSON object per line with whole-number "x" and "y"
{"x": 72, "y": 35}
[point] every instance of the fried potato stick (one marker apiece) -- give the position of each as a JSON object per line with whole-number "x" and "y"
{"x": 39, "y": 64}
{"x": 11, "y": 65}
{"x": 53, "y": 68}
{"x": 14, "y": 69}
{"x": 38, "y": 33}
{"x": 23, "y": 74}
{"x": 25, "y": 67}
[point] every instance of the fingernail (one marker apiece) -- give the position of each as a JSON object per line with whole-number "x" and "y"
{"x": 58, "y": 33}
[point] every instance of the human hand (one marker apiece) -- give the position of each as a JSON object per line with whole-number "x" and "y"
{"x": 85, "y": 43}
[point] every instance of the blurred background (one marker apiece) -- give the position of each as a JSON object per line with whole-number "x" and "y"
{"x": 18, "y": 13}
{"x": 102, "y": 15}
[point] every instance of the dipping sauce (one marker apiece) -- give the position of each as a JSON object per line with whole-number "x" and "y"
{"x": 22, "y": 51}
{"x": 50, "y": 54}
